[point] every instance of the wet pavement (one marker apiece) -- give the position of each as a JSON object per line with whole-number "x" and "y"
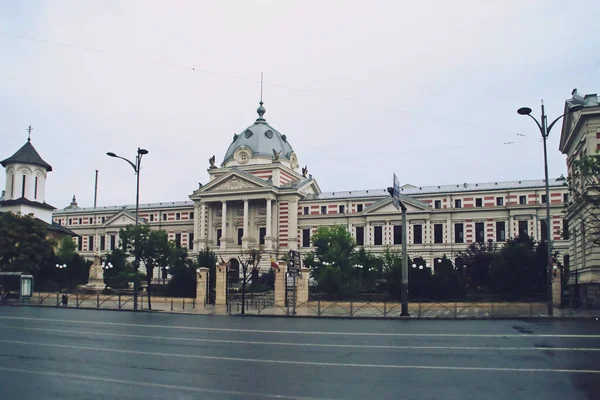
{"x": 54, "y": 353}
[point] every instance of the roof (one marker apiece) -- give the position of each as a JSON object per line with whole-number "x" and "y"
{"x": 59, "y": 228}
{"x": 129, "y": 207}
{"x": 23, "y": 200}
{"x": 27, "y": 155}
{"x": 588, "y": 100}
{"x": 413, "y": 190}
{"x": 261, "y": 138}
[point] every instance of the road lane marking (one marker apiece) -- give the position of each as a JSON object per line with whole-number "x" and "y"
{"x": 292, "y": 344}
{"x": 310, "y": 363}
{"x": 194, "y": 328}
{"x": 159, "y": 385}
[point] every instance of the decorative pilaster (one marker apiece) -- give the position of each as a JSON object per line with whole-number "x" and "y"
{"x": 202, "y": 239}
{"x": 245, "y": 227}
{"x": 223, "y": 225}
{"x": 269, "y": 226}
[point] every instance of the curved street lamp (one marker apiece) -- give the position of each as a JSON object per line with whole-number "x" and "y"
{"x": 545, "y": 131}
{"x": 136, "y": 168}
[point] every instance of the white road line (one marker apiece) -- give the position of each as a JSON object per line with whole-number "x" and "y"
{"x": 296, "y": 344}
{"x": 311, "y": 363}
{"x": 158, "y": 385}
{"x": 193, "y": 328}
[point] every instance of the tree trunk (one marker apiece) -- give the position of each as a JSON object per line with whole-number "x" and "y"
{"x": 148, "y": 290}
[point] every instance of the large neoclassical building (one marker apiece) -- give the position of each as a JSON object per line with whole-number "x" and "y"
{"x": 259, "y": 196}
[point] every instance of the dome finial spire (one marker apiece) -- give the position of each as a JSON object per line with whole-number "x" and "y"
{"x": 29, "y": 129}
{"x": 261, "y": 110}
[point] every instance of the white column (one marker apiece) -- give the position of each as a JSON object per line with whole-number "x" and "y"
{"x": 269, "y": 218}
{"x": 245, "y": 227}
{"x": 203, "y": 221}
{"x": 223, "y": 223}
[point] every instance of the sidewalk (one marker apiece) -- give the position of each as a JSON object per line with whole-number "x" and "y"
{"x": 327, "y": 309}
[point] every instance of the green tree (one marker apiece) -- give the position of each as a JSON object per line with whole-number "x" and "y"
{"x": 475, "y": 265}
{"x": 183, "y": 272}
{"x": 121, "y": 272}
{"x": 333, "y": 261}
{"x": 149, "y": 246}
{"x": 24, "y": 246}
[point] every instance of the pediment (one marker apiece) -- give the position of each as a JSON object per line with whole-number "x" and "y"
{"x": 122, "y": 218}
{"x": 231, "y": 183}
{"x": 385, "y": 206}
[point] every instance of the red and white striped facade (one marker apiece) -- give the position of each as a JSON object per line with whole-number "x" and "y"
{"x": 255, "y": 199}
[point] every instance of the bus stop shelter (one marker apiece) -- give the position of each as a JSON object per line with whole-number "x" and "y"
{"x": 16, "y": 286}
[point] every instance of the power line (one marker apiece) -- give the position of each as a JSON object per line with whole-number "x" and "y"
{"x": 429, "y": 115}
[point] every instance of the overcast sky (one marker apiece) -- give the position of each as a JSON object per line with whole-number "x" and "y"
{"x": 361, "y": 89}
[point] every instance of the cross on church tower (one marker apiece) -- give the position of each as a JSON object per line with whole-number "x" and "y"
{"x": 29, "y": 129}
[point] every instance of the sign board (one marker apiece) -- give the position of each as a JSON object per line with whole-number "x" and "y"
{"x": 294, "y": 263}
{"x": 396, "y": 193}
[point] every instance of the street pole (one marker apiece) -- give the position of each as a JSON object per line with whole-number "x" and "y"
{"x": 404, "y": 284}
{"x": 545, "y": 131}
{"x": 548, "y": 226}
{"x": 136, "y": 168}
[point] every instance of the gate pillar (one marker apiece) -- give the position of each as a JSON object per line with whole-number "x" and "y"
{"x": 302, "y": 287}
{"x": 280, "y": 282}
{"x": 201, "y": 283}
{"x": 557, "y": 288}
{"x": 221, "y": 284}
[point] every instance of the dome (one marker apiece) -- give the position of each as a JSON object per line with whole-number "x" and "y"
{"x": 260, "y": 139}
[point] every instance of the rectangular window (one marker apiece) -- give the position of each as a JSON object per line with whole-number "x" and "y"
{"x": 360, "y": 235}
{"x": 522, "y": 199}
{"x": 35, "y": 189}
{"x": 342, "y": 209}
{"x": 151, "y": 217}
{"x": 500, "y": 231}
{"x": 438, "y": 233}
{"x": 565, "y": 197}
{"x": 59, "y": 221}
{"x": 262, "y": 232}
{"x": 91, "y": 220}
{"x": 523, "y": 228}
{"x": 499, "y": 201}
{"x": 417, "y": 234}
{"x": 113, "y": 239}
{"x": 306, "y": 210}
{"x": 23, "y": 187}
{"x": 305, "y": 237}
{"x": 70, "y": 221}
{"x": 377, "y": 235}
{"x": 359, "y": 207}
{"x": 323, "y": 209}
{"x": 178, "y": 240}
{"x": 177, "y": 216}
{"x": 459, "y": 233}
{"x": 479, "y": 202}
{"x": 438, "y": 204}
{"x": 457, "y": 203}
{"x": 191, "y": 215}
{"x": 102, "y": 243}
{"x": 479, "y": 232}
{"x": 219, "y": 233}
{"x": 90, "y": 243}
{"x": 544, "y": 199}
{"x": 79, "y": 243}
{"x": 164, "y": 217}
{"x": 397, "y": 234}
{"x": 240, "y": 234}
{"x": 103, "y": 219}
{"x": 565, "y": 229}
{"x": 191, "y": 241}
{"x": 543, "y": 231}
{"x": 80, "y": 221}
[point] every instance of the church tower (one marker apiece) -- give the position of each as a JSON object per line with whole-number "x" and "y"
{"x": 25, "y": 190}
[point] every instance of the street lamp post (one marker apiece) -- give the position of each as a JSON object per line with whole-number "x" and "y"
{"x": 60, "y": 267}
{"x": 136, "y": 168}
{"x": 545, "y": 131}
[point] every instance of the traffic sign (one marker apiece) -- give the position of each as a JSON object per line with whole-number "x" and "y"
{"x": 295, "y": 263}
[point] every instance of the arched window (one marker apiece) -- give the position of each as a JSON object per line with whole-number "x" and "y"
{"x": 12, "y": 186}
{"x": 35, "y": 188}
{"x": 23, "y": 187}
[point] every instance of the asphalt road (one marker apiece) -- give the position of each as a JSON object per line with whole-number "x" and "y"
{"x": 48, "y": 353}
